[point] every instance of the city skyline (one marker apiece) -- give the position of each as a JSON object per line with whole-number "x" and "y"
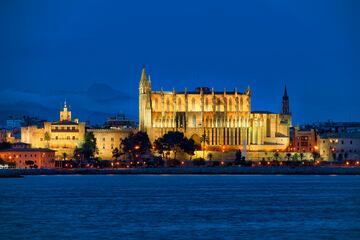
{"x": 92, "y": 54}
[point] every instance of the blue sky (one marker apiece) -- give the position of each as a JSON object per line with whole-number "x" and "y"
{"x": 91, "y": 53}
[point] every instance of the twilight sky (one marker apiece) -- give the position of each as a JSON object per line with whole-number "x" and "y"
{"x": 91, "y": 53}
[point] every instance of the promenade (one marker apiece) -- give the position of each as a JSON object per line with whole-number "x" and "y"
{"x": 190, "y": 170}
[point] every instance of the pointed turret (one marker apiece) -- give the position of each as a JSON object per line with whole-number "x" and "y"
{"x": 145, "y": 85}
{"x": 143, "y": 75}
{"x": 285, "y": 103}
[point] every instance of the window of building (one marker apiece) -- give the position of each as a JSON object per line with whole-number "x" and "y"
{"x": 56, "y": 137}
{"x": 73, "y": 137}
{"x": 193, "y": 104}
{"x": 179, "y": 104}
{"x": 230, "y": 105}
{"x": 73, "y": 128}
{"x": 112, "y": 139}
{"x": 194, "y": 120}
{"x": 350, "y": 141}
{"x": 68, "y": 137}
{"x": 168, "y": 105}
{"x": 103, "y": 139}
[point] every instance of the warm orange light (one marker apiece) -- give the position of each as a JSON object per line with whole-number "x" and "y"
{"x": 347, "y": 163}
{"x": 316, "y": 147}
{"x": 137, "y": 147}
{"x": 222, "y": 162}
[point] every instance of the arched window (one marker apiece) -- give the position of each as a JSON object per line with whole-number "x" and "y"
{"x": 156, "y": 105}
{"x": 193, "y": 104}
{"x": 168, "y": 105}
{"x": 241, "y": 104}
{"x": 218, "y": 102}
{"x": 194, "y": 120}
{"x": 179, "y": 104}
{"x": 230, "y": 105}
{"x": 206, "y": 103}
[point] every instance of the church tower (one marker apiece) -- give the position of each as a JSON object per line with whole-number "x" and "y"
{"x": 65, "y": 114}
{"x": 144, "y": 102}
{"x": 285, "y": 103}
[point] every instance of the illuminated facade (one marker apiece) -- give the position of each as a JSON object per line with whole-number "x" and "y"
{"x": 223, "y": 118}
{"x": 109, "y": 139}
{"x": 62, "y": 136}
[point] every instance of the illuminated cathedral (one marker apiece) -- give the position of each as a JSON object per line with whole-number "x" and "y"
{"x": 216, "y": 119}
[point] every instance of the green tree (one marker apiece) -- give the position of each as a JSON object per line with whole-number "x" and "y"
{"x": 295, "y": 157}
{"x": 276, "y": 156}
{"x": 315, "y": 156}
{"x": 136, "y": 144}
{"x": 47, "y": 138}
{"x": 175, "y": 141}
{"x": 238, "y": 157}
{"x": 116, "y": 154}
{"x": 88, "y": 149}
{"x": 210, "y": 156}
{"x": 170, "y": 141}
{"x": 188, "y": 146}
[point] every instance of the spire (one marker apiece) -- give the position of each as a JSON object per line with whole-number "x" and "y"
{"x": 143, "y": 74}
{"x": 285, "y": 103}
{"x": 285, "y": 94}
{"x": 65, "y": 106}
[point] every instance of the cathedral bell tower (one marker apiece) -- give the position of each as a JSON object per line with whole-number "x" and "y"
{"x": 285, "y": 103}
{"x": 144, "y": 101}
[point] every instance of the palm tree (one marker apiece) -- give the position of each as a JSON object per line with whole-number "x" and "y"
{"x": 276, "y": 156}
{"x": 204, "y": 140}
{"x": 210, "y": 156}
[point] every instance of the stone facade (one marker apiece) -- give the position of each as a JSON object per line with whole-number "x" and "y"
{"x": 223, "y": 118}
{"x": 109, "y": 139}
{"x": 339, "y": 147}
{"x": 42, "y": 157}
{"x": 62, "y": 136}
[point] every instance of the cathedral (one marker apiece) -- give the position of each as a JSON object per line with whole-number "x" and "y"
{"x": 218, "y": 120}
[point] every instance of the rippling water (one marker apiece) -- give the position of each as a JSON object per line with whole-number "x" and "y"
{"x": 180, "y": 207}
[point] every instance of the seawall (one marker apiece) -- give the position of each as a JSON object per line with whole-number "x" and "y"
{"x": 190, "y": 170}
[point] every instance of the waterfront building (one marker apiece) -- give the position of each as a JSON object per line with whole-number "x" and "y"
{"x": 109, "y": 139}
{"x": 25, "y": 157}
{"x": 303, "y": 140}
{"x": 119, "y": 121}
{"x": 339, "y": 146}
{"x": 62, "y": 136}
{"x": 223, "y": 118}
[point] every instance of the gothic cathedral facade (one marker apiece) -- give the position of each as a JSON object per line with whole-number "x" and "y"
{"x": 218, "y": 119}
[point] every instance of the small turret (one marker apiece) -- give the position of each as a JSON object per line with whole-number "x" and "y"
{"x": 285, "y": 103}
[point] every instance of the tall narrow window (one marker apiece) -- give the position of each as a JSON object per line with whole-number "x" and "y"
{"x": 168, "y": 105}
{"x": 193, "y": 104}
{"x": 194, "y": 120}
